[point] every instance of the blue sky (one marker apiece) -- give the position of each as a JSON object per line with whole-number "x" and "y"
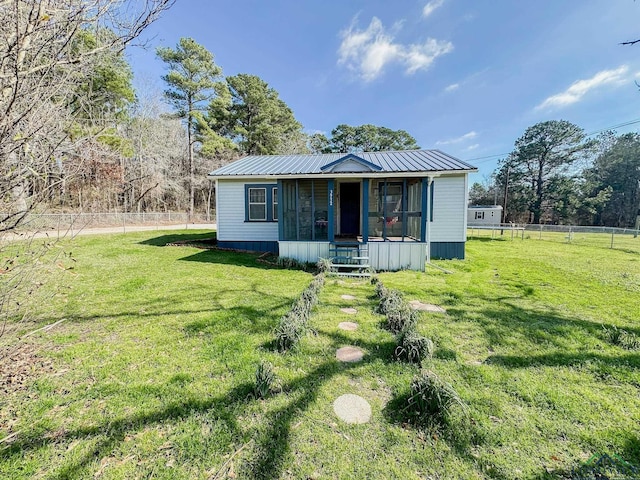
{"x": 467, "y": 77}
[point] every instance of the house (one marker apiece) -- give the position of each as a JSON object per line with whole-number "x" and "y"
{"x": 388, "y": 207}
{"x": 479, "y": 215}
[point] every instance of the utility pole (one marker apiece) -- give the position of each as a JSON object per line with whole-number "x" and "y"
{"x": 504, "y": 205}
{"x": 635, "y": 235}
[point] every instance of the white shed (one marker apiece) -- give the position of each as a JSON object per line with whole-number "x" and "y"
{"x": 478, "y": 215}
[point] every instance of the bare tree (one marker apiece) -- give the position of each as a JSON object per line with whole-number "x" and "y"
{"x": 42, "y": 64}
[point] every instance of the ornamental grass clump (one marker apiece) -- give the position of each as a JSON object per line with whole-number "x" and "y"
{"x": 413, "y": 347}
{"x": 290, "y": 330}
{"x": 381, "y": 290}
{"x": 622, "y": 338}
{"x": 392, "y": 299}
{"x": 432, "y": 401}
{"x": 401, "y": 318}
{"x": 323, "y": 265}
{"x": 265, "y": 379}
{"x": 294, "y": 324}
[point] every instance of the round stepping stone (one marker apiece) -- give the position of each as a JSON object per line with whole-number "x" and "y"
{"x": 349, "y": 326}
{"x": 350, "y": 311}
{"x": 425, "y": 307}
{"x": 349, "y": 354}
{"x": 352, "y": 409}
{"x": 347, "y": 297}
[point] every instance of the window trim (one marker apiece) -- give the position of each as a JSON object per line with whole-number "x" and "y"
{"x": 271, "y": 193}
{"x": 274, "y": 203}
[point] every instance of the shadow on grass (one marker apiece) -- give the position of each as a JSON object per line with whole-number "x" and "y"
{"x": 503, "y": 321}
{"x": 624, "y": 464}
{"x": 270, "y": 439}
{"x": 163, "y": 240}
{"x": 561, "y": 359}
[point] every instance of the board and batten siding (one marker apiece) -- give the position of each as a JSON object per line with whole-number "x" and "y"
{"x": 449, "y": 209}
{"x": 304, "y": 251}
{"x": 394, "y": 256}
{"x": 230, "y": 198}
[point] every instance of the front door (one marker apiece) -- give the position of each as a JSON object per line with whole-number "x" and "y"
{"x": 350, "y": 209}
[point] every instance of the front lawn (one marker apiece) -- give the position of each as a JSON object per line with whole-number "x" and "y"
{"x": 150, "y": 375}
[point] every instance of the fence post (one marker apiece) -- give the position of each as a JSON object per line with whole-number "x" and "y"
{"x": 612, "y": 232}
{"x": 540, "y": 237}
{"x": 124, "y": 221}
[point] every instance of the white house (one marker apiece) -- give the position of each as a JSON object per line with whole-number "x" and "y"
{"x": 479, "y": 215}
{"x": 401, "y": 208}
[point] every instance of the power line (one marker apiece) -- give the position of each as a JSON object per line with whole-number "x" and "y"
{"x": 590, "y": 134}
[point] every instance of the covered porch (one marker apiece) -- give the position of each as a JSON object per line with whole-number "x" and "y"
{"x": 386, "y": 217}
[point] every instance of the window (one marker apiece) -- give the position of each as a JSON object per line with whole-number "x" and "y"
{"x": 480, "y": 215}
{"x": 261, "y": 203}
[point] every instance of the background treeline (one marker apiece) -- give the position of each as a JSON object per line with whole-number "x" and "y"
{"x": 557, "y": 175}
{"x": 76, "y": 136}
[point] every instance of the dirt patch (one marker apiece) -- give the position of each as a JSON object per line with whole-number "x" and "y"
{"x": 19, "y": 365}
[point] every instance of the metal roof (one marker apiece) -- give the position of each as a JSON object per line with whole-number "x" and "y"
{"x": 389, "y": 162}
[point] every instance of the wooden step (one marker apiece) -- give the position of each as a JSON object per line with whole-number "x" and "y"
{"x": 349, "y": 265}
{"x": 351, "y": 274}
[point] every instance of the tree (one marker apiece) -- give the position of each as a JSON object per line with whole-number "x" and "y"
{"x": 255, "y": 118}
{"x": 42, "y": 68}
{"x": 545, "y": 152}
{"x": 193, "y": 80}
{"x": 367, "y": 138}
{"x": 483, "y": 194}
{"x": 615, "y": 179}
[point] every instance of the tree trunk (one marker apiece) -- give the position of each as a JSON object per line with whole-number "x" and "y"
{"x": 191, "y": 166}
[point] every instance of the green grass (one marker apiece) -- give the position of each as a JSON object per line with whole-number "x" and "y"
{"x": 155, "y": 367}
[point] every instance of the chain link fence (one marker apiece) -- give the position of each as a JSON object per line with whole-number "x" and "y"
{"x": 603, "y": 237}
{"x": 61, "y": 224}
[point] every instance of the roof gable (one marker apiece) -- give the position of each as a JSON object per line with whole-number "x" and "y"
{"x": 350, "y": 163}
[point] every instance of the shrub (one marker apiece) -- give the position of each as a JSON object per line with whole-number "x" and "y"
{"x": 265, "y": 379}
{"x": 413, "y": 347}
{"x": 432, "y": 400}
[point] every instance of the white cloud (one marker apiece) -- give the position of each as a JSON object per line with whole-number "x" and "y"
{"x": 430, "y": 7}
{"x": 369, "y": 51}
{"x": 452, "y": 87}
{"x": 467, "y": 136}
{"x": 580, "y": 88}
{"x": 472, "y": 147}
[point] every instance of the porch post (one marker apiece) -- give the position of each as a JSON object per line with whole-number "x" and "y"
{"x": 425, "y": 213}
{"x": 280, "y": 211}
{"x": 365, "y": 210}
{"x": 330, "y": 214}
{"x": 404, "y": 202}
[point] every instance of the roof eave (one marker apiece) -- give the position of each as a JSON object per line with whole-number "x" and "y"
{"x": 417, "y": 174}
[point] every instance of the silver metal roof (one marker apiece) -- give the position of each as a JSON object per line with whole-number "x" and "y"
{"x": 390, "y": 162}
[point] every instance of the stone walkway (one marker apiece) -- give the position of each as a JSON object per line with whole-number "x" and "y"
{"x": 351, "y": 408}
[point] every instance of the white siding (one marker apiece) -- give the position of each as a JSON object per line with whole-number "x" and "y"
{"x": 304, "y": 251}
{"x": 449, "y": 209}
{"x": 231, "y": 213}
